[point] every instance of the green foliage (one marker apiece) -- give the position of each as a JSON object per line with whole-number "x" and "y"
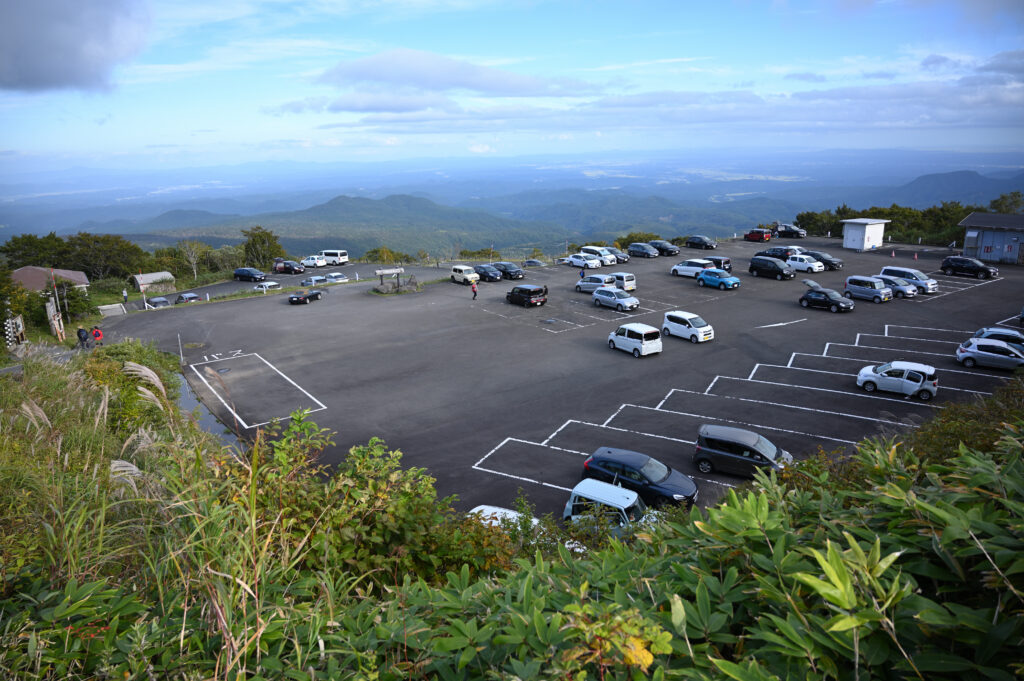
{"x": 383, "y": 254}
{"x": 1008, "y": 204}
{"x": 936, "y": 226}
{"x": 635, "y": 237}
{"x": 488, "y": 254}
{"x": 42, "y": 251}
{"x": 104, "y": 255}
{"x": 261, "y": 247}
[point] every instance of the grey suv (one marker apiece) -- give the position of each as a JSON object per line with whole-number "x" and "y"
{"x": 737, "y": 451}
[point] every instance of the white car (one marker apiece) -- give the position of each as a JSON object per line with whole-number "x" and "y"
{"x": 583, "y": 261}
{"x": 690, "y": 268}
{"x": 314, "y": 261}
{"x": 335, "y": 278}
{"x": 804, "y": 263}
{"x": 496, "y": 516}
{"x": 637, "y": 339}
{"x": 609, "y": 296}
{"x": 687, "y": 325}
{"x": 606, "y": 257}
{"x": 906, "y": 378}
{"x": 265, "y": 286}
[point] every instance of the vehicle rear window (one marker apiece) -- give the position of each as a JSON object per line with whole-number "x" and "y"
{"x": 652, "y": 335}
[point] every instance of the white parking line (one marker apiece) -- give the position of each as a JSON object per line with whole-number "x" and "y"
{"x": 750, "y": 376}
{"x": 923, "y": 328}
{"x": 879, "y": 335}
{"x": 923, "y": 298}
{"x": 769, "y": 326}
{"x": 838, "y": 392}
{"x": 861, "y": 362}
{"x": 758, "y": 425}
{"x": 875, "y": 347}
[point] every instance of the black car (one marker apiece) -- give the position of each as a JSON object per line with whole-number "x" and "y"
{"x": 790, "y": 230}
{"x": 619, "y": 255}
{"x": 958, "y": 264}
{"x": 829, "y": 261}
{"x": 699, "y": 241}
{"x": 780, "y": 252}
{"x": 527, "y": 295}
{"x": 824, "y": 298}
{"x": 249, "y": 274}
{"x": 721, "y": 262}
{"x": 487, "y": 273}
{"x": 656, "y": 483}
{"x": 664, "y": 247}
{"x": 763, "y": 266}
{"x": 288, "y": 267}
{"x": 643, "y": 250}
{"x": 305, "y": 295}
{"x": 508, "y": 270}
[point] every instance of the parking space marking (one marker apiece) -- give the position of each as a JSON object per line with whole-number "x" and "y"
{"x": 922, "y": 328}
{"x": 753, "y": 371}
{"x": 605, "y": 425}
{"x": 830, "y": 390}
{"x": 320, "y": 405}
{"x": 739, "y": 423}
{"x": 875, "y": 347}
{"x": 974, "y": 374}
{"x": 1006, "y": 322}
{"x": 521, "y": 478}
{"x": 768, "y": 326}
{"x": 925, "y": 297}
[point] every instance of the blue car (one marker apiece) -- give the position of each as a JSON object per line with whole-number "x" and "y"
{"x": 717, "y": 278}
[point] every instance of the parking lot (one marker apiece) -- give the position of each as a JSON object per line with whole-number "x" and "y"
{"x": 492, "y": 399}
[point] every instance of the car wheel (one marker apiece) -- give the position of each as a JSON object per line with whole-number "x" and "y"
{"x": 848, "y": 295}
{"x": 753, "y": 272}
{"x": 803, "y": 303}
{"x": 636, "y": 352}
{"x": 876, "y": 299}
{"x": 869, "y": 387}
{"x": 969, "y": 362}
{"x": 982, "y": 275}
{"x": 238, "y": 278}
{"x": 924, "y": 395}
{"x": 597, "y": 303}
{"x": 693, "y": 339}
{"x": 778, "y": 277}
{"x": 834, "y": 308}
{"x": 704, "y": 466}
{"x": 611, "y": 345}
{"x": 674, "y": 273}
{"x": 666, "y": 331}
{"x": 305, "y": 301}
{"x": 453, "y": 278}
{"x": 948, "y": 271}
{"x": 700, "y": 282}
{"x": 721, "y": 287}
{"x": 579, "y": 290}
{"x": 619, "y": 308}
{"x": 899, "y": 294}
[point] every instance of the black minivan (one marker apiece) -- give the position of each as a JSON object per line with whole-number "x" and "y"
{"x": 527, "y": 295}
{"x": 763, "y": 266}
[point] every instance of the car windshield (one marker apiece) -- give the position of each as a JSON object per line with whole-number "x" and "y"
{"x": 621, "y": 294}
{"x": 637, "y": 510}
{"x": 900, "y": 282}
{"x": 881, "y": 369}
{"x": 766, "y": 448}
{"x": 654, "y": 470}
{"x": 698, "y": 322}
{"x": 977, "y": 263}
{"x": 832, "y": 295}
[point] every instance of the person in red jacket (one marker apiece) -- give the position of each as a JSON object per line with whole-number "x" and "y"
{"x": 97, "y": 335}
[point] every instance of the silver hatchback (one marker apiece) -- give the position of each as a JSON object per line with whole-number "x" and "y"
{"x": 988, "y": 352}
{"x": 608, "y": 296}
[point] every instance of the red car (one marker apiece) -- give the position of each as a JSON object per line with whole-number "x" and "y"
{"x": 758, "y": 234}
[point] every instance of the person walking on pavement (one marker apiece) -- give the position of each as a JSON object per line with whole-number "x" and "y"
{"x": 474, "y": 290}
{"x": 124, "y": 294}
{"x": 83, "y": 338}
{"x": 97, "y": 335}
{"x": 582, "y": 272}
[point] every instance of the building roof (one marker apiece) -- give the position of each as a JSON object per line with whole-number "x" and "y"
{"x": 38, "y": 278}
{"x": 152, "y": 277}
{"x": 993, "y": 221}
{"x": 865, "y": 221}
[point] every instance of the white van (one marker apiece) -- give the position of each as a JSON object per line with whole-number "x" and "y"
{"x": 638, "y": 339}
{"x": 335, "y": 257}
{"x": 592, "y": 499}
{"x": 606, "y": 257}
{"x": 624, "y": 280}
{"x": 687, "y": 325}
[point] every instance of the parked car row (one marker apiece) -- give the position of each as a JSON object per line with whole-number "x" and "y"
{"x": 993, "y": 346}
{"x": 643, "y": 339}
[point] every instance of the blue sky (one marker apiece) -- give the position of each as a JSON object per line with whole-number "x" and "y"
{"x": 161, "y": 83}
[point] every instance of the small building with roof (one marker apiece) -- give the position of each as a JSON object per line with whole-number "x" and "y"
{"x": 153, "y": 282}
{"x": 33, "y": 278}
{"x": 994, "y": 237}
{"x": 863, "y": 234}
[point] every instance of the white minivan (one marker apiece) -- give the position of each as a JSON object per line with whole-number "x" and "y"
{"x": 335, "y": 257}
{"x": 638, "y": 339}
{"x": 624, "y": 280}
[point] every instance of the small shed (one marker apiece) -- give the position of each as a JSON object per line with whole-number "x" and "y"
{"x": 34, "y": 278}
{"x": 994, "y": 237}
{"x": 153, "y": 282}
{"x": 863, "y": 234}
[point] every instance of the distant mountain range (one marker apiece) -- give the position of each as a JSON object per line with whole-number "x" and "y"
{"x": 443, "y": 212}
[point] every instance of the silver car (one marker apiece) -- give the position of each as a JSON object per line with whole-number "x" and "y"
{"x": 988, "y": 352}
{"x": 610, "y": 296}
{"x": 901, "y": 288}
{"x": 906, "y": 378}
{"x": 592, "y": 282}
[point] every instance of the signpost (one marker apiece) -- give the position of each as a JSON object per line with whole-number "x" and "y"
{"x": 393, "y": 271}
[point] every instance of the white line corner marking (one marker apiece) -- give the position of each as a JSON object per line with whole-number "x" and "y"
{"x": 768, "y": 326}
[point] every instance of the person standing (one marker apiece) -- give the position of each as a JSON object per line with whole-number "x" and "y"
{"x": 83, "y": 338}
{"x": 97, "y": 335}
{"x": 582, "y": 272}
{"x": 124, "y": 294}
{"x": 474, "y": 290}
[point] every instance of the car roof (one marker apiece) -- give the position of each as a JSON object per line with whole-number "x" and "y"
{"x": 745, "y": 437}
{"x": 716, "y": 270}
{"x": 605, "y": 492}
{"x": 158, "y": 298}
{"x": 626, "y": 456}
{"x": 637, "y": 326}
{"x": 529, "y": 287}
{"x": 999, "y": 329}
{"x": 913, "y": 366}
{"x": 683, "y": 313}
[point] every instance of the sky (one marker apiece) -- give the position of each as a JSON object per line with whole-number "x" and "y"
{"x": 179, "y": 83}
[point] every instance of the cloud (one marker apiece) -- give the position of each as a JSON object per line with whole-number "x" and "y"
{"x": 1009, "y": 63}
{"x": 426, "y": 71}
{"x": 879, "y": 75}
{"x": 67, "y": 44}
{"x": 806, "y": 76}
{"x": 934, "y": 62}
{"x": 482, "y": 149}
